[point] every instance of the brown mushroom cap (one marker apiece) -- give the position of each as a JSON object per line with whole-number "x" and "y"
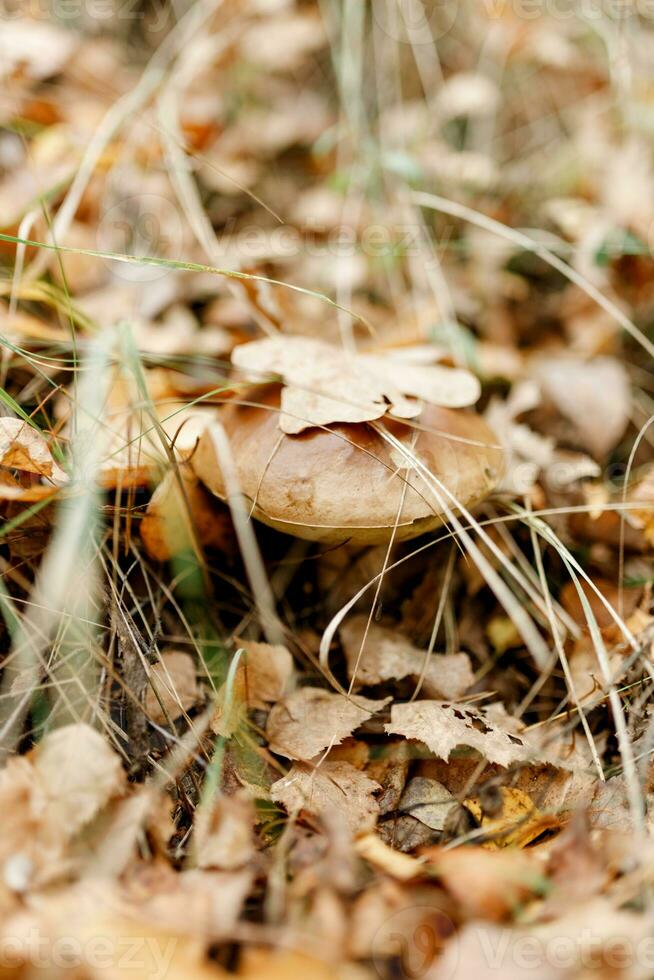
{"x": 346, "y": 483}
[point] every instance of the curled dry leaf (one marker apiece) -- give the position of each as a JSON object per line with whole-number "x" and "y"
{"x": 22, "y": 447}
{"x": 518, "y": 823}
{"x": 263, "y": 676}
{"x": 311, "y": 719}
{"x": 173, "y": 687}
{"x": 387, "y": 655}
{"x": 165, "y": 530}
{"x": 324, "y": 384}
{"x": 331, "y": 786}
{"x": 401, "y": 866}
{"x": 267, "y": 672}
{"x": 443, "y": 726}
{"x": 78, "y": 773}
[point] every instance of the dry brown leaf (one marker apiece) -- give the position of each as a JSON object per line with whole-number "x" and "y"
{"x": 428, "y": 801}
{"x": 223, "y": 833}
{"x": 165, "y": 530}
{"x": 78, "y": 773}
{"x": 173, "y": 687}
{"x": 443, "y": 726}
{"x": 594, "y": 395}
{"x": 594, "y": 940}
{"x": 23, "y": 448}
{"x": 311, "y": 719}
{"x": 387, "y": 655}
{"x": 324, "y": 384}
{"x": 330, "y": 787}
{"x": 266, "y": 672}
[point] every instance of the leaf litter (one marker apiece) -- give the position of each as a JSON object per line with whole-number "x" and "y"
{"x": 180, "y": 770}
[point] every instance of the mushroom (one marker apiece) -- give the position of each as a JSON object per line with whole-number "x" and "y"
{"x": 346, "y": 482}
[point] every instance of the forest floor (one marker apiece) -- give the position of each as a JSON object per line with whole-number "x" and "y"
{"x": 327, "y": 486}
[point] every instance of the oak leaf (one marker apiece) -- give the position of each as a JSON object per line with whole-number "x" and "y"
{"x": 323, "y": 384}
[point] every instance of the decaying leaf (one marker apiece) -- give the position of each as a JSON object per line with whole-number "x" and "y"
{"x": 331, "y": 786}
{"x": 173, "y": 687}
{"x": 428, "y": 801}
{"x": 324, "y": 384}
{"x": 308, "y": 721}
{"x": 388, "y": 655}
{"x": 517, "y": 824}
{"x": 442, "y": 726}
{"x": 166, "y": 528}
{"x": 22, "y": 447}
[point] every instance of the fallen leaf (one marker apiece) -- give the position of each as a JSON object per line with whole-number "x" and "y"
{"x": 79, "y": 773}
{"x": 22, "y": 447}
{"x": 195, "y": 902}
{"x": 333, "y": 787}
{"x": 518, "y": 823}
{"x": 165, "y": 529}
{"x": 223, "y": 833}
{"x": 266, "y": 672}
{"x": 324, "y": 384}
{"x": 442, "y": 726}
{"x": 308, "y": 721}
{"x": 387, "y": 655}
{"x": 173, "y": 687}
{"x": 594, "y": 395}
{"x": 428, "y": 801}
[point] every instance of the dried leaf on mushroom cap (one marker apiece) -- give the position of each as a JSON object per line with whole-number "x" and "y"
{"x": 323, "y": 384}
